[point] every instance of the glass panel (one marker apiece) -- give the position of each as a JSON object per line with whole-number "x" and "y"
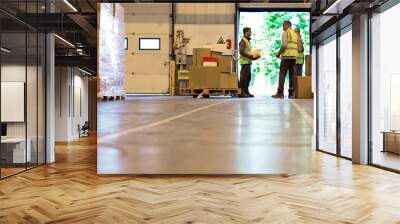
{"x": 385, "y": 89}
{"x": 327, "y": 96}
{"x": 31, "y": 98}
{"x": 13, "y": 87}
{"x": 346, "y": 93}
{"x": 41, "y": 99}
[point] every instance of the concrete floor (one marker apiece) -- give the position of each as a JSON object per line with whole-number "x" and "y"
{"x": 181, "y": 135}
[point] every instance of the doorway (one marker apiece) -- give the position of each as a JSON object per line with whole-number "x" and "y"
{"x": 147, "y": 51}
{"x": 266, "y": 26}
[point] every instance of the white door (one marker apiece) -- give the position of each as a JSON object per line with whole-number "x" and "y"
{"x": 147, "y": 71}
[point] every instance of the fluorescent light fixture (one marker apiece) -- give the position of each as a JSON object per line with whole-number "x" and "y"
{"x": 64, "y": 40}
{"x": 5, "y": 50}
{"x": 338, "y": 6}
{"x": 70, "y": 5}
{"x": 84, "y": 71}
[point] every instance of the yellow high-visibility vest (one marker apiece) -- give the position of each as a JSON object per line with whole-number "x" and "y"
{"x": 291, "y": 47}
{"x": 245, "y": 60}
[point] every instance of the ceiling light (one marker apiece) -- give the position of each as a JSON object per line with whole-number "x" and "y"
{"x": 84, "y": 71}
{"x": 64, "y": 40}
{"x": 70, "y": 5}
{"x": 5, "y": 50}
{"x": 338, "y": 6}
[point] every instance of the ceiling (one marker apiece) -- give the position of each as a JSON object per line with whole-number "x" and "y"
{"x": 74, "y": 22}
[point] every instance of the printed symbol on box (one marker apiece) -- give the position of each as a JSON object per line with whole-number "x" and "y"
{"x": 221, "y": 41}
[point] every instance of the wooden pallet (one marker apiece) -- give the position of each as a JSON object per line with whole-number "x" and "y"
{"x": 215, "y": 92}
{"x": 112, "y": 98}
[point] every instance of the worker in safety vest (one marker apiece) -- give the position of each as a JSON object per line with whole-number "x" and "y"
{"x": 246, "y": 59}
{"x": 288, "y": 55}
{"x": 298, "y": 70}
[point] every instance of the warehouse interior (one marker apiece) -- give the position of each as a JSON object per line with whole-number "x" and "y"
{"x": 148, "y": 37}
{"x": 135, "y": 112}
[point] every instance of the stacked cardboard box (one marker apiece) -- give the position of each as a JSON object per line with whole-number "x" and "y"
{"x": 198, "y": 54}
{"x": 303, "y": 87}
{"x": 219, "y": 77}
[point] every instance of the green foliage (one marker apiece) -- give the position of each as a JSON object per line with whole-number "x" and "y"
{"x": 266, "y": 35}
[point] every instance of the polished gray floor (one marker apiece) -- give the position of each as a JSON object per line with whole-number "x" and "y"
{"x": 181, "y": 135}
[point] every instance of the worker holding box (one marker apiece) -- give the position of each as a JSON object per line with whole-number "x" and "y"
{"x": 298, "y": 70}
{"x": 288, "y": 55}
{"x": 246, "y": 58}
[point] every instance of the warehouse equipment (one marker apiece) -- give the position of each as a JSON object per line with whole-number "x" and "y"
{"x": 180, "y": 47}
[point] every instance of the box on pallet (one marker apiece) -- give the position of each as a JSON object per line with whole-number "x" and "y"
{"x": 211, "y": 78}
{"x": 303, "y": 87}
{"x": 198, "y": 54}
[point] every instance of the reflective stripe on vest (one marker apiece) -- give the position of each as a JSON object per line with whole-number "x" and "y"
{"x": 244, "y": 60}
{"x": 291, "y": 47}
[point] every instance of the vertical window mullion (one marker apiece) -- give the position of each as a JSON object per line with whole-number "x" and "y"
{"x": 338, "y": 98}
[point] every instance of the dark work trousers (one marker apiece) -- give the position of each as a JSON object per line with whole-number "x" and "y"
{"x": 245, "y": 77}
{"x": 287, "y": 65}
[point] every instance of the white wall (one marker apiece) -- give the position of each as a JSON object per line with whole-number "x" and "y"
{"x": 34, "y": 125}
{"x": 71, "y": 102}
{"x": 214, "y": 20}
{"x": 16, "y": 73}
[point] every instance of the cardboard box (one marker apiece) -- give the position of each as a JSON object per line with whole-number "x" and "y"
{"x": 198, "y": 54}
{"x": 216, "y": 53}
{"x": 303, "y": 87}
{"x": 211, "y": 78}
{"x": 203, "y": 77}
{"x": 308, "y": 65}
{"x": 225, "y": 63}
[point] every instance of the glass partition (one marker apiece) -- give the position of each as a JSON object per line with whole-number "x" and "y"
{"x": 13, "y": 88}
{"x": 385, "y": 89}
{"x": 346, "y": 92}
{"x": 22, "y": 77}
{"x": 327, "y": 95}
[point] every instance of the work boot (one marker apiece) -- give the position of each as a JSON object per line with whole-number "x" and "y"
{"x": 244, "y": 95}
{"x": 291, "y": 96}
{"x": 249, "y": 94}
{"x": 278, "y": 96}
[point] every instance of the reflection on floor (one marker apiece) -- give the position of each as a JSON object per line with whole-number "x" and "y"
{"x": 70, "y": 191}
{"x": 387, "y": 159}
{"x": 10, "y": 171}
{"x": 181, "y": 135}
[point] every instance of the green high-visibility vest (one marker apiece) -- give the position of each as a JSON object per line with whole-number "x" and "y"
{"x": 245, "y": 60}
{"x": 291, "y": 47}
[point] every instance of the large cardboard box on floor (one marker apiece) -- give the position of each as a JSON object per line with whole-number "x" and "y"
{"x": 211, "y": 78}
{"x": 308, "y": 65}
{"x": 198, "y": 54}
{"x": 303, "y": 87}
{"x": 225, "y": 63}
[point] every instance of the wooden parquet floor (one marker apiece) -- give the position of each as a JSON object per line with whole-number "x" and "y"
{"x": 70, "y": 191}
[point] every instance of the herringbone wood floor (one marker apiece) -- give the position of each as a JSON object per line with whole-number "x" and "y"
{"x": 70, "y": 191}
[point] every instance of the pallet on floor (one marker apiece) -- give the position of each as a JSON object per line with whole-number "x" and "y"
{"x": 112, "y": 98}
{"x": 215, "y": 92}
